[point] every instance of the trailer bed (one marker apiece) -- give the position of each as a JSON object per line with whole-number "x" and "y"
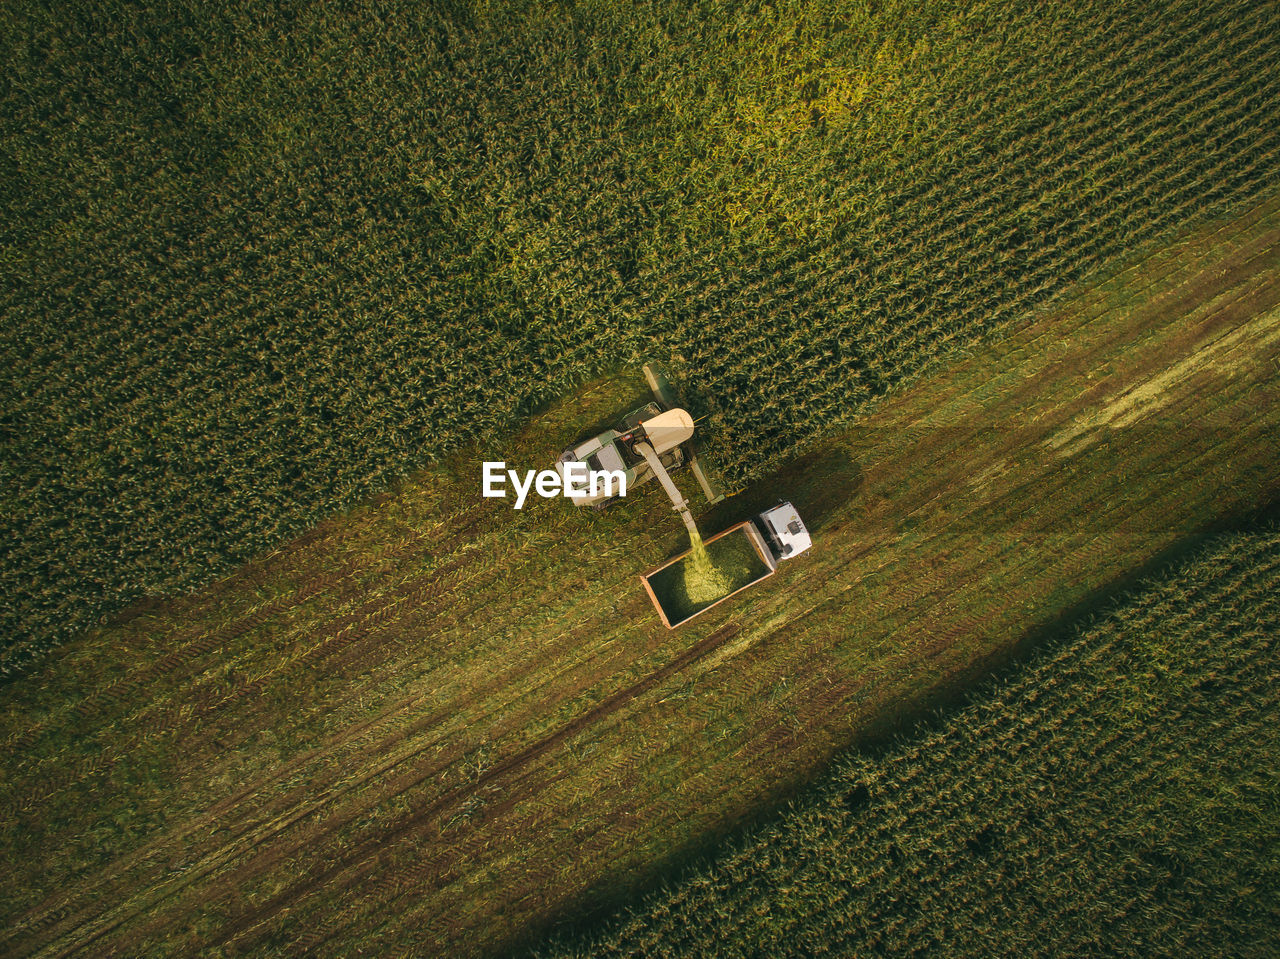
{"x": 739, "y": 553}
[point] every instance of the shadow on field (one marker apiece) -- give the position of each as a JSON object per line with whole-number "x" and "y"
{"x": 819, "y": 483}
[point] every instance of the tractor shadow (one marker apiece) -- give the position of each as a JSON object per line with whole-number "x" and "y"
{"x": 819, "y": 483}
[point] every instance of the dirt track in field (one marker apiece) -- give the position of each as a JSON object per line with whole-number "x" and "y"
{"x": 436, "y": 723}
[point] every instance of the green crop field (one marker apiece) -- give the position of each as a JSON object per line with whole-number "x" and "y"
{"x": 989, "y": 291}
{"x": 1119, "y": 796}
{"x": 263, "y": 259}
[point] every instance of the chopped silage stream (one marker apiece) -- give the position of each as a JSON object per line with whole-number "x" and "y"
{"x": 706, "y": 574}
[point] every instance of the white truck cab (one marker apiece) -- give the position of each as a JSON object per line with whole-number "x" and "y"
{"x": 784, "y": 531}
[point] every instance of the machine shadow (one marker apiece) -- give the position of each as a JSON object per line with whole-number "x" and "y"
{"x": 819, "y": 484}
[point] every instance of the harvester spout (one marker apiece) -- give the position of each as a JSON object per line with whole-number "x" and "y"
{"x": 678, "y": 501}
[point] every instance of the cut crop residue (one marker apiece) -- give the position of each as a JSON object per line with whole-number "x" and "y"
{"x": 1252, "y": 343}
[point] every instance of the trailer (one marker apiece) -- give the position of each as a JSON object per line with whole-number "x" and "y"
{"x": 743, "y": 555}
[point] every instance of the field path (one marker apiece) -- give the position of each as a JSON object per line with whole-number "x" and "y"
{"x": 437, "y": 724}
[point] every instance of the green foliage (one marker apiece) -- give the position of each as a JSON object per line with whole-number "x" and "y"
{"x": 259, "y": 260}
{"x": 1117, "y": 797}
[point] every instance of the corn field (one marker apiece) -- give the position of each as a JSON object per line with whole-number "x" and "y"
{"x": 1116, "y": 797}
{"x": 262, "y": 259}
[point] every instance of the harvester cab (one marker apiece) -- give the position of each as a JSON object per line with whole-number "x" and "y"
{"x": 650, "y": 442}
